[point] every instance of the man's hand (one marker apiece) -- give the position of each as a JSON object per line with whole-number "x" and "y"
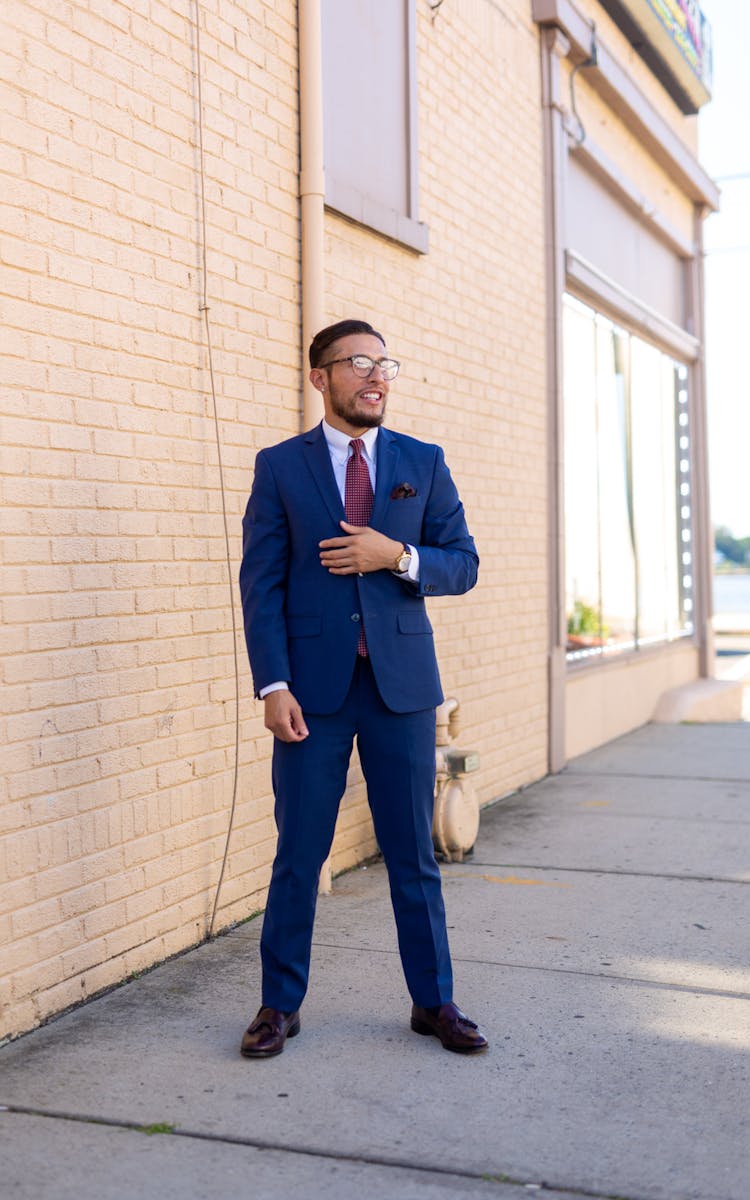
{"x": 362, "y": 550}
{"x": 283, "y": 716}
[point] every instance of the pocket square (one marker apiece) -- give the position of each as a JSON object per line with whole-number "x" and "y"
{"x": 404, "y": 491}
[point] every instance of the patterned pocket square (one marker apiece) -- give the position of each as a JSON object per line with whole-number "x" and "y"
{"x": 404, "y": 491}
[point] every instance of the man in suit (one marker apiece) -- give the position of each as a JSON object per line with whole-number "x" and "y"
{"x": 348, "y": 528}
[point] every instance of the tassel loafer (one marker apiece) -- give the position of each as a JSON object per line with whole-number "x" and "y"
{"x": 453, "y": 1027}
{"x": 266, "y": 1035}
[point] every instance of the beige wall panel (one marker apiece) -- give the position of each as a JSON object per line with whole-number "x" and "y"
{"x": 611, "y": 135}
{"x": 617, "y": 243}
{"x": 604, "y": 704}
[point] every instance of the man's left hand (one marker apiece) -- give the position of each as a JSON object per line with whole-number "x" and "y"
{"x": 362, "y": 550}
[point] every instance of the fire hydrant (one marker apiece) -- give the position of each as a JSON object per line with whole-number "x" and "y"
{"x": 455, "y": 823}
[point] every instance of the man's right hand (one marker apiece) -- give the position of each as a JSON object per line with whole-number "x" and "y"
{"x": 283, "y": 716}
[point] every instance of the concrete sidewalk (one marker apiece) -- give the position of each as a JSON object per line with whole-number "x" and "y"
{"x": 600, "y": 936}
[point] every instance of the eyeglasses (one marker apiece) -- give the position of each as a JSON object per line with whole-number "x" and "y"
{"x": 363, "y": 365}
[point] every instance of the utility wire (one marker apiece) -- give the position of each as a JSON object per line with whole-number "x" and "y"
{"x": 204, "y": 308}
{"x": 591, "y": 61}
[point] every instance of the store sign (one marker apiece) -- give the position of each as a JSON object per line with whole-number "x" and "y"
{"x": 689, "y": 31}
{"x": 674, "y": 37}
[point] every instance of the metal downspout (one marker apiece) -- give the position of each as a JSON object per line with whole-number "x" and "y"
{"x": 554, "y": 47}
{"x": 703, "y": 545}
{"x": 312, "y": 220}
{"x": 312, "y": 194}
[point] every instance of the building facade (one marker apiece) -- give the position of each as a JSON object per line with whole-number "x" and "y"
{"x": 509, "y": 190}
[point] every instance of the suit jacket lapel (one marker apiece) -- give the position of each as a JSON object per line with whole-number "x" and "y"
{"x": 318, "y": 460}
{"x": 387, "y": 466}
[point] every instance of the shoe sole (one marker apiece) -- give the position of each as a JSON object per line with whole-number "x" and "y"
{"x": 292, "y": 1032}
{"x": 427, "y": 1031}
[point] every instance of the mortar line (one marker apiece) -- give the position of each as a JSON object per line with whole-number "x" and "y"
{"x": 566, "y": 1192}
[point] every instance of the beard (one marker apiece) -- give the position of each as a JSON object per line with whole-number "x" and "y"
{"x": 348, "y": 411}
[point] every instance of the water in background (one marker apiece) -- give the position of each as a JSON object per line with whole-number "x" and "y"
{"x": 732, "y": 594}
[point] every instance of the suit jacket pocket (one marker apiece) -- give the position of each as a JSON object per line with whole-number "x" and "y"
{"x": 303, "y": 626}
{"x": 414, "y": 622}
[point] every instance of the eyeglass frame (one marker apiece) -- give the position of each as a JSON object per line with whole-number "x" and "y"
{"x": 376, "y": 362}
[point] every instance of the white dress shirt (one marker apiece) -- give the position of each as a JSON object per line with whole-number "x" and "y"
{"x": 339, "y": 450}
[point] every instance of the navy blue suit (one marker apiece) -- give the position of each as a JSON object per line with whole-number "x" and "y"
{"x": 301, "y": 625}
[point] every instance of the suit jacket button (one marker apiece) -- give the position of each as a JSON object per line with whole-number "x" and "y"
{"x": 356, "y": 617}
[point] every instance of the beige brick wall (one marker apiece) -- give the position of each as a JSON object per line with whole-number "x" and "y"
{"x": 117, "y": 688}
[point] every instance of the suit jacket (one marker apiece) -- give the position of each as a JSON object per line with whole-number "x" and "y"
{"x": 301, "y": 622}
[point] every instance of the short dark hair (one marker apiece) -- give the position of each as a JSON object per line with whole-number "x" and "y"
{"x": 332, "y": 333}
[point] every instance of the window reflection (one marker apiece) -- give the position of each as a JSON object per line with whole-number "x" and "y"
{"x": 652, "y": 424}
{"x": 627, "y": 489}
{"x": 582, "y": 492}
{"x": 616, "y": 536}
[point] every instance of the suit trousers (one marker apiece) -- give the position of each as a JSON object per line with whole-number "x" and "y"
{"x": 397, "y": 754}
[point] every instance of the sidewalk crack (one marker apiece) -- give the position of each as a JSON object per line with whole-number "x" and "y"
{"x": 563, "y": 1191}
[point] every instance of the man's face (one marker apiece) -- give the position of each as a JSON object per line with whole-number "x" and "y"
{"x": 352, "y": 404}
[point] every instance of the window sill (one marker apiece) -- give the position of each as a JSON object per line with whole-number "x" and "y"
{"x": 628, "y": 658}
{"x": 363, "y": 210}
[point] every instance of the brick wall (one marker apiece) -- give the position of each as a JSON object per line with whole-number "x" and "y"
{"x": 118, "y": 678}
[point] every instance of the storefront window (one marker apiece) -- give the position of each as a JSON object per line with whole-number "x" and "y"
{"x": 628, "y": 534}
{"x": 617, "y": 557}
{"x": 582, "y": 484}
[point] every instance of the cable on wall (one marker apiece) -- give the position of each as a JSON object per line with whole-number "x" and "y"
{"x": 591, "y": 61}
{"x": 204, "y": 309}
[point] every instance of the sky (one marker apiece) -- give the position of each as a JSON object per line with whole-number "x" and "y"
{"x": 724, "y": 150}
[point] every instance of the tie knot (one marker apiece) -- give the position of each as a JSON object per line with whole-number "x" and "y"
{"x": 357, "y": 446}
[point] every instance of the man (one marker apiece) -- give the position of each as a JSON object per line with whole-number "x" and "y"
{"x": 347, "y": 529}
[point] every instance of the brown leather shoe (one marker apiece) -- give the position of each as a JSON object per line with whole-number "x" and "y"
{"x": 455, "y": 1030}
{"x": 268, "y": 1032}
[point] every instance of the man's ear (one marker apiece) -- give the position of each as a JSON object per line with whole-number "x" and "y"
{"x": 318, "y": 379}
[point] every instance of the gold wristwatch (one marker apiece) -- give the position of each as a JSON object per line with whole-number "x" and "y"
{"x": 403, "y": 561}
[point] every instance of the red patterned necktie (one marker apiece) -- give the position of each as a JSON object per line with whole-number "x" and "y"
{"x": 358, "y": 500}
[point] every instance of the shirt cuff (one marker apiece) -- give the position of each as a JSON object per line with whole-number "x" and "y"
{"x": 281, "y": 685}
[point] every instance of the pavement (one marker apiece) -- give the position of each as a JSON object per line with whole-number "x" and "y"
{"x": 600, "y": 936}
